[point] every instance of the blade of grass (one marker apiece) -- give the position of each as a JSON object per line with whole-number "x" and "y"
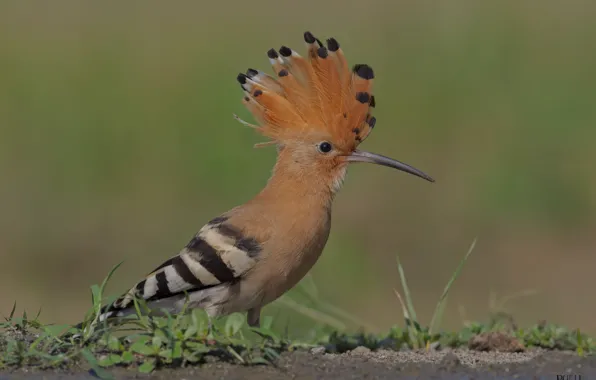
{"x": 103, "y": 286}
{"x": 313, "y": 314}
{"x": 346, "y": 316}
{"x": 497, "y": 305}
{"x": 404, "y": 285}
{"x": 437, "y": 317}
{"x": 579, "y": 341}
{"x": 411, "y": 332}
{"x": 97, "y": 295}
{"x": 443, "y": 298}
{"x": 38, "y": 314}
{"x": 14, "y": 308}
{"x": 309, "y": 287}
{"x": 235, "y": 354}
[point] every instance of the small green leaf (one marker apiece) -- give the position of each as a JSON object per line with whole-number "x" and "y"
{"x": 127, "y": 357}
{"x": 161, "y": 334}
{"x": 271, "y": 352}
{"x": 234, "y": 323}
{"x": 114, "y": 343}
{"x": 199, "y": 320}
{"x": 142, "y": 349}
{"x": 166, "y": 354}
{"x": 197, "y": 347}
{"x": 100, "y": 372}
{"x": 259, "y": 360}
{"x": 267, "y": 322}
{"x": 191, "y": 356}
{"x": 161, "y": 322}
{"x": 190, "y": 332}
{"x": 156, "y": 341}
{"x": 179, "y": 334}
{"x": 105, "y": 362}
{"x": 116, "y": 359}
{"x": 147, "y": 367}
{"x": 177, "y": 351}
{"x": 143, "y": 339}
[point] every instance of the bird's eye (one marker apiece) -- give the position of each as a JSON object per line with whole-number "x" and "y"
{"x": 325, "y": 147}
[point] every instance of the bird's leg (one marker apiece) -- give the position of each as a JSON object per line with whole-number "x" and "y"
{"x": 253, "y": 317}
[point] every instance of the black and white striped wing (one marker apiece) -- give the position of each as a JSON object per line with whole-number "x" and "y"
{"x": 218, "y": 253}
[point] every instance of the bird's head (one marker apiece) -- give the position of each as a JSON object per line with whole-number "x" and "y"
{"x": 317, "y": 110}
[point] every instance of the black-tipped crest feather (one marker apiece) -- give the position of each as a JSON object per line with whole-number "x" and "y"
{"x": 285, "y": 51}
{"x": 332, "y": 44}
{"x": 315, "y": 91}
{"x": 364, "y": 71}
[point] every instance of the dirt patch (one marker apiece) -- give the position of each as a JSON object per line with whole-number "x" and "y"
{"x": 495, "y": 341}
{"x": 363, "y": 363}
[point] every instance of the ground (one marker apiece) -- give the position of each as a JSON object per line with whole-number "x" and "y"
{"x": 362, "y": 363}
{"x": 165, "y": 347}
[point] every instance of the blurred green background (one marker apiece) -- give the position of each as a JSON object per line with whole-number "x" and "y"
{"x": 117, "y": 143}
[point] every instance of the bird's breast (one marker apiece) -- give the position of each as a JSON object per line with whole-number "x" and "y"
{"x": 289, "y": 256}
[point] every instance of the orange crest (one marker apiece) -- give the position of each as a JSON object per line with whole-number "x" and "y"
{"x": 317, "y": 95}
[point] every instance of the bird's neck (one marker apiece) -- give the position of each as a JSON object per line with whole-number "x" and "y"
{"x": 294, "y": 184}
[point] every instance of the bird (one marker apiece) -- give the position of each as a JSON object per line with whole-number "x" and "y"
{"x": 316, "y": 110}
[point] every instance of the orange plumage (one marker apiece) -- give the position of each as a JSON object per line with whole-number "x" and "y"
{"x": 317, "y": 111}
{"x": 318, "y": 95}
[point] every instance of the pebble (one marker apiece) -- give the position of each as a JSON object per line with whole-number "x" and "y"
{"x": 360, "y": 350}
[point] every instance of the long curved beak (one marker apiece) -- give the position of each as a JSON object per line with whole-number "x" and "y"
{"x": 373, "y": 158}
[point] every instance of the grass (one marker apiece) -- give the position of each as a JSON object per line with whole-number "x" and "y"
{"x": 105, "y": 139}
{"x": 418, "y": 336}
{"x": 94, "y": 112}
{"x": 149, "y": 343}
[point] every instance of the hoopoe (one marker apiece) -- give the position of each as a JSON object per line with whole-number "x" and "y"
{"x": 316, "y": 110}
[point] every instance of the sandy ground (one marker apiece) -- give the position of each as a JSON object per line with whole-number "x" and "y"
{"x": 364, "y": 364}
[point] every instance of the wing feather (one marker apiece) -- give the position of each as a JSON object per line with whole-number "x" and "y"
{"x": 219, "y": 253}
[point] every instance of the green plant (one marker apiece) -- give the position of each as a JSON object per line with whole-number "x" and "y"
{"x": 149, "y": 343}
{"x": 420, "y": 337}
